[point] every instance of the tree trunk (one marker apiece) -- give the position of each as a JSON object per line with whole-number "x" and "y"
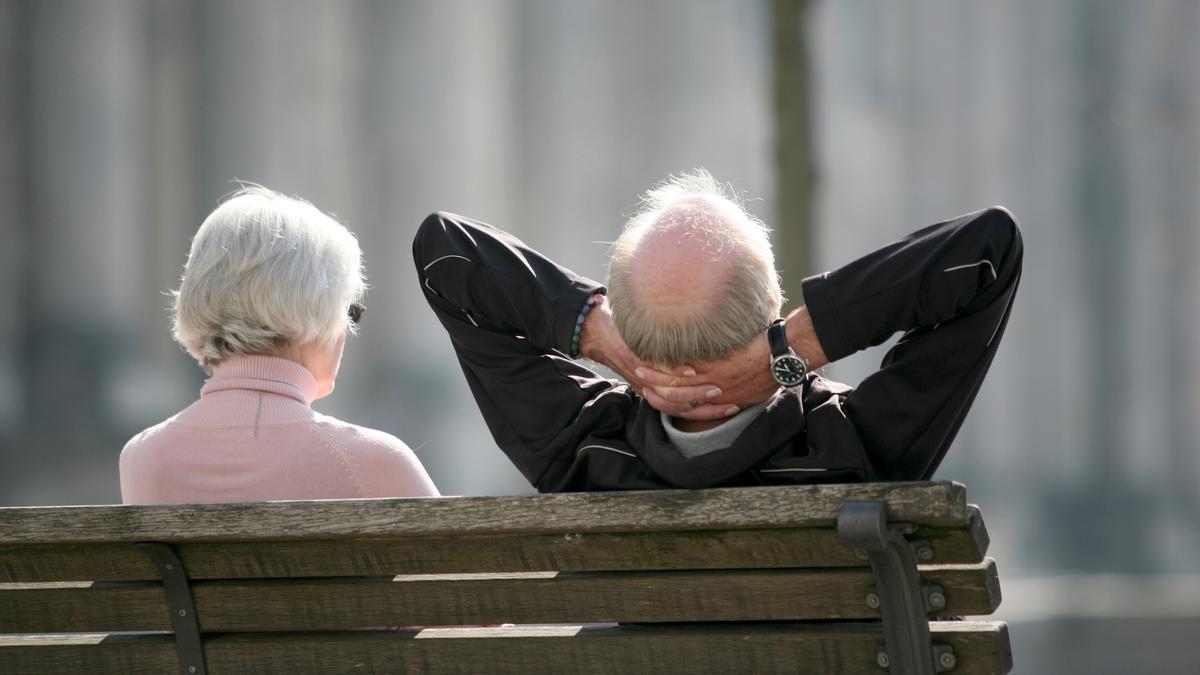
{"x": 794, "y": 177}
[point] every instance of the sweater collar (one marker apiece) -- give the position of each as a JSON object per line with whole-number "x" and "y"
{"x": 781, "y": 422}
{"x": 694, "y": 443}
{"x": 263, "y": 373}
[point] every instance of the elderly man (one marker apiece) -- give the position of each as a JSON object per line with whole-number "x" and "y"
{"x": 721, "y": 391}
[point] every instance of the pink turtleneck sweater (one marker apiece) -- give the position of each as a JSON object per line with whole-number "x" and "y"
{"x": 253, "y": 436}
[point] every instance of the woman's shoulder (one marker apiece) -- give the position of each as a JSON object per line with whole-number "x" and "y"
{"x": 144, "y": 458}
{"x": 147, "y": 437}
{"x": 393, "y": 468}
{"x": 353, "y": 436}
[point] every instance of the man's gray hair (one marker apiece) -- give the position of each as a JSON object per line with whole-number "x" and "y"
{"x": 748, "y": 301}
{"x": 266, "y": 270}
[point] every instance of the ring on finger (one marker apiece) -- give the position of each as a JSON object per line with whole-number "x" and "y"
{"x": 694, "y": 403}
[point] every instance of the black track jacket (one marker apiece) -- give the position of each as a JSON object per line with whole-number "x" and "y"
{"x": 510, "y": 312}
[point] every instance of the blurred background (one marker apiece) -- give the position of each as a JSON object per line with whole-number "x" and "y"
{"x": 845, "y": 123}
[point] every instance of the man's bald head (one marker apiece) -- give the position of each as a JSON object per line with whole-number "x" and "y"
{"x": 692, "y": 277}
{"x": 679, "y": 264}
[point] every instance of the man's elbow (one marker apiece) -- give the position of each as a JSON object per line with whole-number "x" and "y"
{"x": 999, "y": 228}
{"x": 429, "y": 232}
{"x": 433, "y": 225}
{"x": 1000, "y": 223}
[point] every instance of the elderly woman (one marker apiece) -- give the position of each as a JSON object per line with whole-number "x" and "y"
{"x": 270, "y": 290}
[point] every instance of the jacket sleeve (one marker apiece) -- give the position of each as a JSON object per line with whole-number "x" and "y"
{"x": 510, "y": 313}
{"x": 949, "y": 289}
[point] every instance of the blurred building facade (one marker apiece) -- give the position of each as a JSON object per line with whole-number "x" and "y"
{"x": 122, "y": 122}
{"x": 125, "y": 121}
{"x": 1084, "y": 118}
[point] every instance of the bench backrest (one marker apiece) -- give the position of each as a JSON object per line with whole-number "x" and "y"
{"x": 424, "y": 584}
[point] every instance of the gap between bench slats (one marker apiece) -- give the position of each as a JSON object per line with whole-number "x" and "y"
{"x": 980, "y": 647}
{"x": 334, "y": 604}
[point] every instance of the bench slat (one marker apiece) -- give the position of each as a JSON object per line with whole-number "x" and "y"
{"x": 696, "y": 549}
{"x": 942, "y": 503}
{"x": 981, "y": 648}
{"x": 336, "y": 604}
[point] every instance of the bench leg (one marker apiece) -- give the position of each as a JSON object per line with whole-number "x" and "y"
{"x": 183, "y": 609}
{"x": 902, "y": 600}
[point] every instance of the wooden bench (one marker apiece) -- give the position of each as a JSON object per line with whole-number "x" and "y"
{"x": 766, "y": 579}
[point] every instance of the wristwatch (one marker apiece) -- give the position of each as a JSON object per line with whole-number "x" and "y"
{"x": 787, "y": 368}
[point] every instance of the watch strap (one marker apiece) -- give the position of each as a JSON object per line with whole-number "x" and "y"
{"x": 777, "y": 337}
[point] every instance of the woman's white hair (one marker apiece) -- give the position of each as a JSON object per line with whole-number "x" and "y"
{"x": 750, "y": 299}
{"x": 266, "y": 270}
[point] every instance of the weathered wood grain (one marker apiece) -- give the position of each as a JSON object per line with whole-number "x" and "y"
{"x": 730, "y": 508}
{"x": 978, "y": 531}
{"x": 655, "y": 559}
{"x": 527, "y": 598}
{"x": 95, "y": 653}
{"x": 694, "y": 549}
{"x": 982, "y": 648}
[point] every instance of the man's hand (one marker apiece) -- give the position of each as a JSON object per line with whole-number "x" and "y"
{"x": 743, "y": 377}
{"x": 601, "y": 342}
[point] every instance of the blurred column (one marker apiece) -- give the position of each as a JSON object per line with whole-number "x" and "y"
{"x": 87, "y": 190}
{"x": 279, "y": 97}
{"x": 1177, "y": 128}
{"x": 156, "y": 379}
{"x": 176, "y": 202}
{"x": 1158, "y": 112}
{"x": 279, "y": 100}
{"x": 379, "y": 112}
{"x": 14, "y": 217}
{"x": 571, "y": 121}
{"x": 1101, "y": 191}
{"x": 616, "y": 95}
{"x": 437, "y": 133}
{"x": 1049, "y": 450}
{"x": 794, "y": 156}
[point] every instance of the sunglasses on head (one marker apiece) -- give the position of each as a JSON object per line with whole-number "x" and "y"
{"x": 356, "y": 312}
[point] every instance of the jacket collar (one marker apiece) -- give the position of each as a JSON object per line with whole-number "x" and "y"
{"x": 782, "y": 422}
{"x": 263, "y": 373}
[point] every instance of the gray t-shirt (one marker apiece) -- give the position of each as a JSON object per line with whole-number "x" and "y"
{"x": 695, "y": 443}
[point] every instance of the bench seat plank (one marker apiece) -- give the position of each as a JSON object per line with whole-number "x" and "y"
{"x": 981, "y": 648}
{"x": 942, "y": 503}
{"x": 694, "y": 549}
{"x": 336, "y": 604}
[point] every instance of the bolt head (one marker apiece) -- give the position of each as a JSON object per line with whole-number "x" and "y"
{"x": 873, "y": 600}
{"x": 947, "y": 660}
{"x": 882, "y": 659}
{"x": 860, "y": 554}
{"x": 925, "y": 553}
{"x": 937, "y": 600}
{"x": 191, "y": 669}
{"x": 183, "y": 612}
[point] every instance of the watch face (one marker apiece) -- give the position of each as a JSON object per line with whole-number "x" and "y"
{"x": 787, "y": 370}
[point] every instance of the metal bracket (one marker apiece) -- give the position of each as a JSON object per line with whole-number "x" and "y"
{"x": 183, "y": 610}
{"x": 902, "y": 600}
